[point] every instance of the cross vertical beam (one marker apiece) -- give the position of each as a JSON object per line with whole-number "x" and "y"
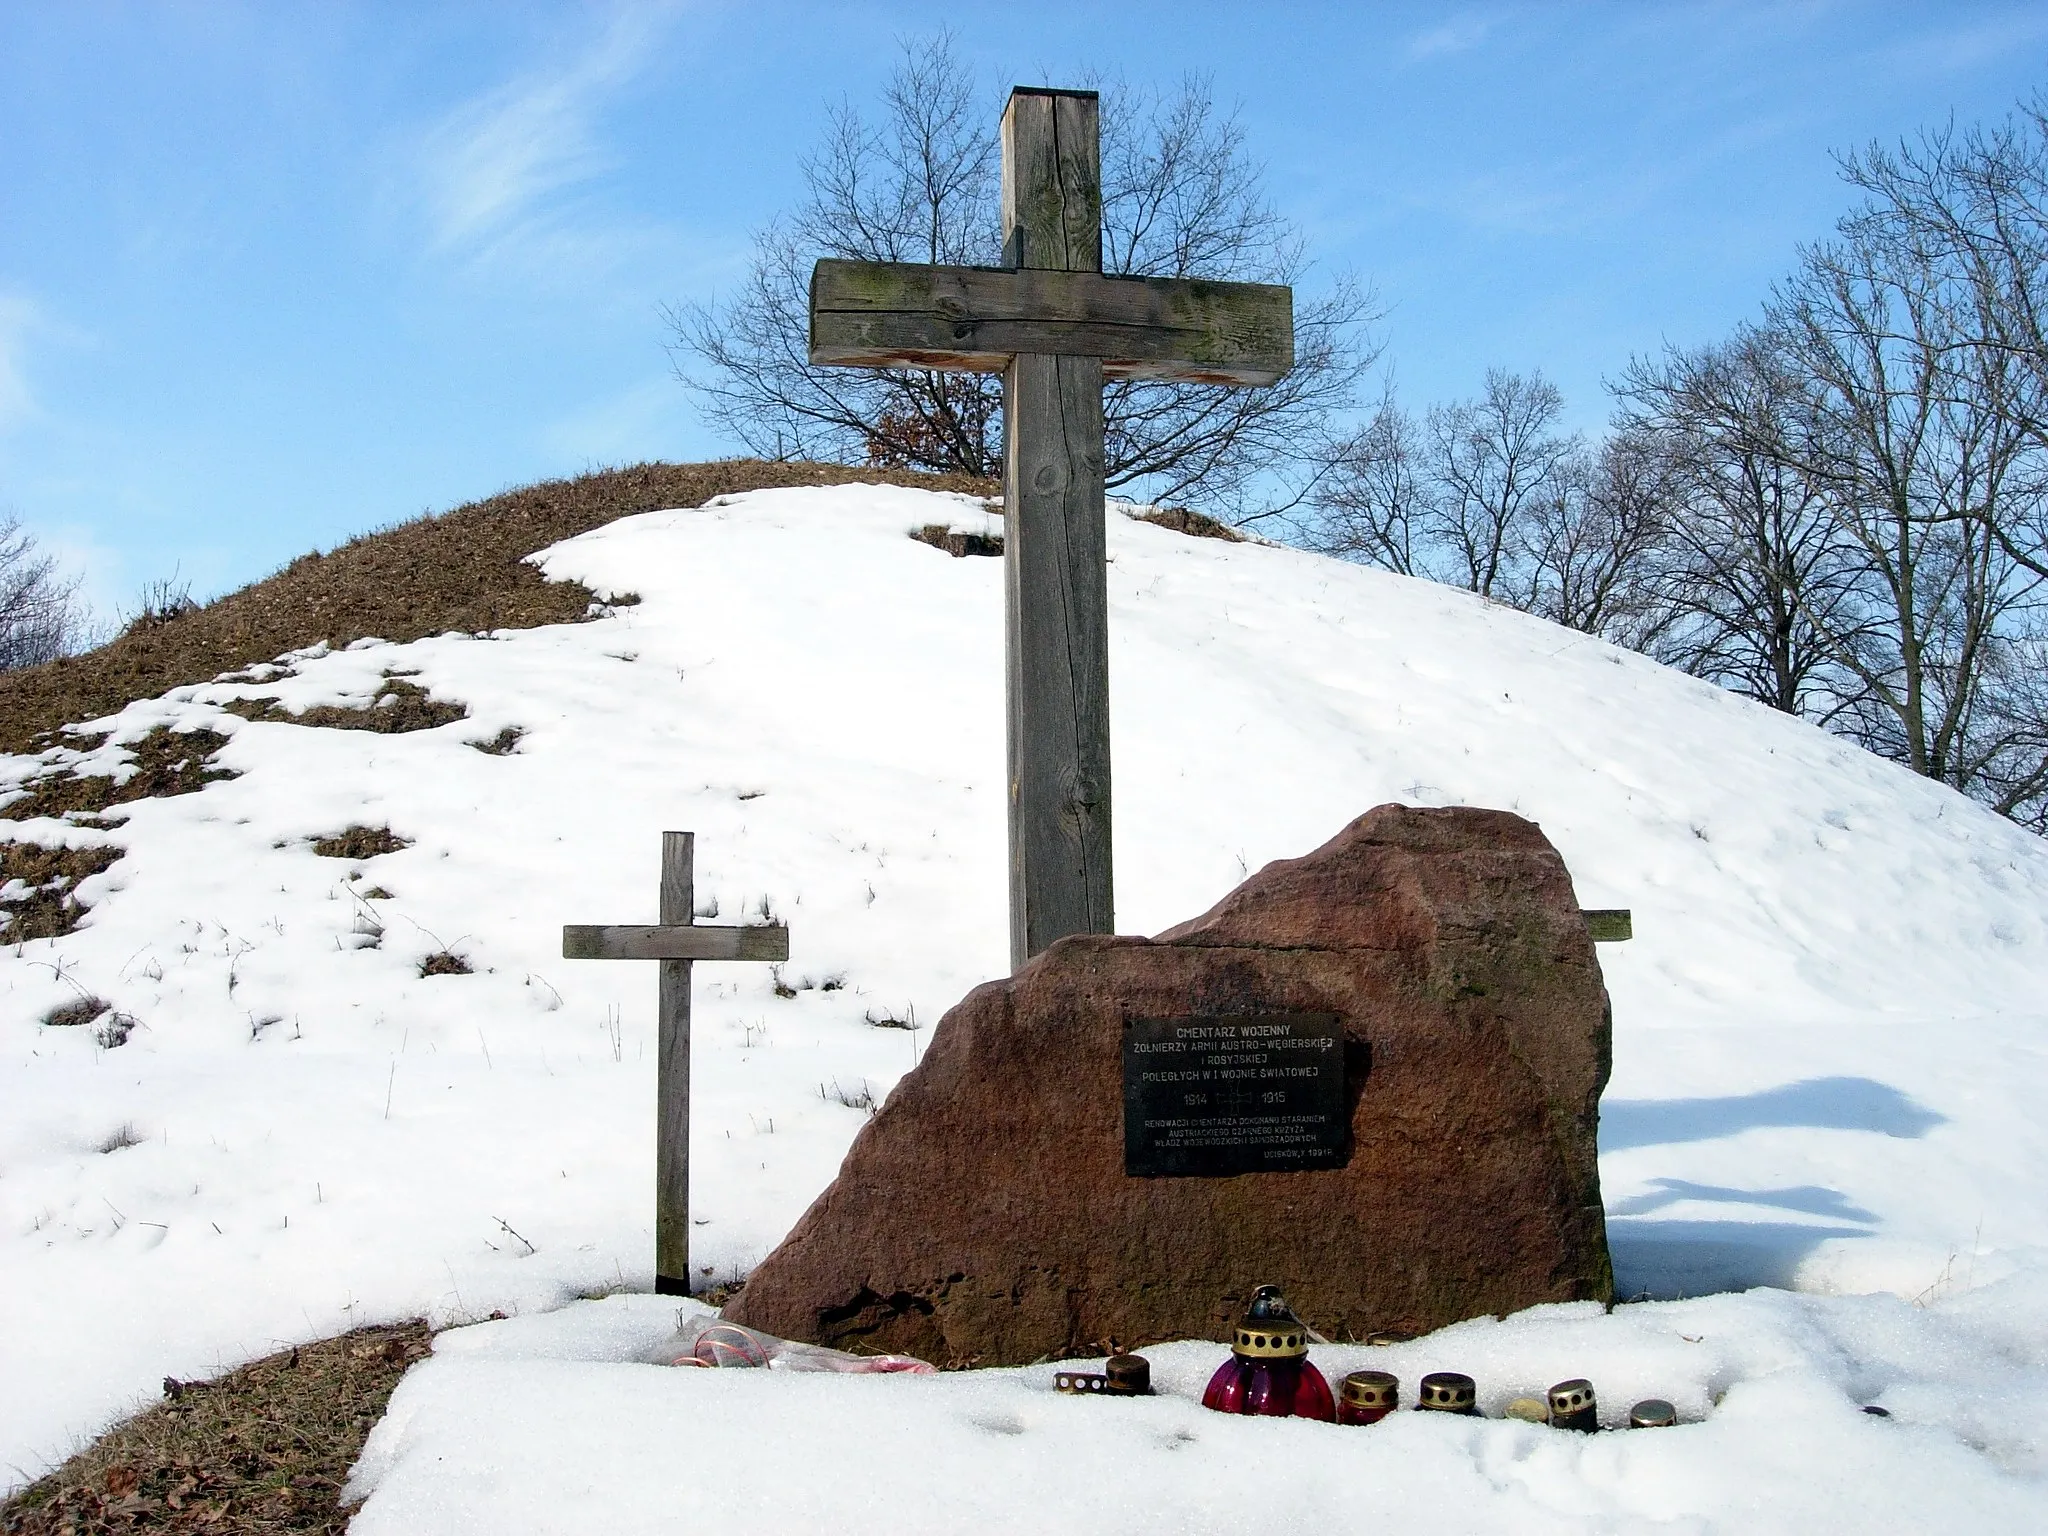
{"x": 672, "y": 1088}
{"x": 1055, "y": 569}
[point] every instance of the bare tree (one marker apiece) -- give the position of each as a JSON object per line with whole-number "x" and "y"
{"x": 1972, "y": 207}
{"x": 1492, "y": 462}
{"x": 918, "y": 188}
{"x": 1759, "y": 577}
{"x": 1372, "y": 504}
{"x": 1841, "y": 512}
{"x": 1486, "y": 494}
{"x": 2008, "y": 767}
{"x": 1598, "y": 539}
{"x": 1907, "y": 430}
{"x": 1181, "y": 198}
{"x": 40, "y": 615}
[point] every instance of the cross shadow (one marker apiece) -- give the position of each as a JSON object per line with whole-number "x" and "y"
{"x": 1819, "y": 1103}
{"x": 1807, "y": 1199}
{"x": 1665, "y": 1260}
{"x": 1662, "y": 1259}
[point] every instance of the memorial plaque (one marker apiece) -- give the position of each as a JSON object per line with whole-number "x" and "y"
{"x": 1257, "y": 1093}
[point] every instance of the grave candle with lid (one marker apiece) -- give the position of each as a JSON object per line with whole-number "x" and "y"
{"x": 1268, "y": 1371}
{"x": 1366, "y": 1397}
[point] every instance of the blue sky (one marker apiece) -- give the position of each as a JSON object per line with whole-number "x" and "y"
{"x": 271, "y": 275}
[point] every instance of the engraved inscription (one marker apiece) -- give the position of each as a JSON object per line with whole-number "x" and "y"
{"x": 1257, "y": 1093}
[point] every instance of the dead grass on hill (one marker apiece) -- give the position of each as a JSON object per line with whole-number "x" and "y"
{"x": 502, "y": 744}
{"x": 459, "y": 570}
{"x": 49, "y": 906}
{"x": 1196, "y": 525}
{"x": 360, "y": 842}
{"x": 399, "y": 707}
{"x": 77, "y": 1013}
{"x": 956, "y": 543}
{"x": 263, "y": 1449}
{"x": 167, "y": 762}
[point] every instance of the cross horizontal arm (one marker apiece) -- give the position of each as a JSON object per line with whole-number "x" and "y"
{"x": 1610, "y": 925}
{"x": 874, "y": 314}
{"x": 677, "y": 941}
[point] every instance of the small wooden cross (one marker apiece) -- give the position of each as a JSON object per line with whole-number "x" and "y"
{"x": 675, "y": 941}
{"x": 1055, "y": 327}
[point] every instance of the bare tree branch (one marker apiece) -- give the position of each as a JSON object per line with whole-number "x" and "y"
{"x": 41, "y": 617}
{"x": 1181, "y": 198}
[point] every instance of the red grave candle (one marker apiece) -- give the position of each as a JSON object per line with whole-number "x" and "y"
{"x": 1268, "y": 1371}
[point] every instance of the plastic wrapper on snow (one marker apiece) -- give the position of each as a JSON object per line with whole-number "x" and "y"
{"x": 707, "y": 1341}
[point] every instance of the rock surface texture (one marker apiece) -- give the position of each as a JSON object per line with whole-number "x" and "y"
{"x": 983, "y": 1215}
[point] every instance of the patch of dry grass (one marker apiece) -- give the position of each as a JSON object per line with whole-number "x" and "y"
{"x": 956, "y": 543}
{"x": 167, "y": 762}
{"x": 716, "y": 1296}
{"x": 1195, "y": 525}
{"x": 263, "y": 1449}
{"x": 49, "y": 907}
{"x": 460, "y": 570}
{"x": 78, "y": 1012}
{"x": 502, "y": 744}
{"x": 360, "y": 843}
{"x": 110, "y": 1029}
{"x": 399, "y": 707}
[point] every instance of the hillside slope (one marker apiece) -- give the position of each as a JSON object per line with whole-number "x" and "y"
{"x": 1828, "y": 1031}
{"x": 462, "y": 569}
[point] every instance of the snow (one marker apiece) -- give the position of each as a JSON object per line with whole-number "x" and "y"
{"x": 1829, "y": 1043}
{"x": 556, "y": 1423}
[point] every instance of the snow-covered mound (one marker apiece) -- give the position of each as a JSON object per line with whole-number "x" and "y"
{"x": 1829, "y": 1030}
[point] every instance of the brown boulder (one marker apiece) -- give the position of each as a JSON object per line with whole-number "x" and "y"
{"x": 984, "y": 1216}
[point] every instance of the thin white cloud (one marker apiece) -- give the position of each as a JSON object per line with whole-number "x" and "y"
{"x": 491, "y": 166}
{"x": 1460, "y": 34}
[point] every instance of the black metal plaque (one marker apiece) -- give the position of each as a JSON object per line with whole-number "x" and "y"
{"x": 1258, "y": 1093}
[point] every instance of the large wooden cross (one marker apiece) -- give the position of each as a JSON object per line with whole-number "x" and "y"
{"x": 1055, "y": 326}
{"x": 675, "y": 941}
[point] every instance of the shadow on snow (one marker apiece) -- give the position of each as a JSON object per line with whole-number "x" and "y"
{"x": 1807, "y": 1199}
{"x": 1660, "y": 1258}
{"x": 1819, "y": 1103}
{"x": 1663, "y": 1260}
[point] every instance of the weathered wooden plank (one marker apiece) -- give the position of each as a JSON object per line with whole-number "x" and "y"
{"x": 1057, "y": 653}
{"x": 672, "y": 1064}
{"x": 974, "y": 319}
{"x": 1052, "y": 180}
{"x": 642, "y": 941}
{"x": 1054, "y": 565}
{"x": 1610, "y": 925}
